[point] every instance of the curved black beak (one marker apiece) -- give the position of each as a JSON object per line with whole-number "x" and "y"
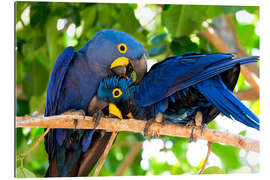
{"x": 140, "y": 68}
{"x": 124, "y": 67}
{"x": 95, "y": 105}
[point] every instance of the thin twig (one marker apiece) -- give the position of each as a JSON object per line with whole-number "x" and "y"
{"x": 106, "y": 151}
{"x": 250, "y": 76}
{"x": 247, "y": 95}
{"x": 129, "y": 158}
{"x": 132, "y": 125}
{"x": 36, "y": 143}
{"x": 207, "y": 157}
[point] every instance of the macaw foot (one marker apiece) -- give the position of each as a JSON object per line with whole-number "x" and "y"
{"x": 191, "y": 137}
{"x": 196, "y": 124}
{"x": 75, "y": 112}
{"x": 96, "y": 117}
{"x": 146, "y": 128}
{"x": 159, "y": 119}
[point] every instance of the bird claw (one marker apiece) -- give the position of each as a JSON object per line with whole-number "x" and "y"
{"x": 96, "y": 118}
{"x": 203, "y": 126}
{"x": 146, "y": 128}
{"x": 197, "y": 123}
{"x": 79, "y": 112}
{"x": 75, "y": 123}
{"x": 191, "y": 137}
{"x": 159, "y": 118}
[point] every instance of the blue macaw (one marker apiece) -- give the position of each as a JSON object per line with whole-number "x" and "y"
{"x": 72, "y": 89}
{"x": 179, "y": 87}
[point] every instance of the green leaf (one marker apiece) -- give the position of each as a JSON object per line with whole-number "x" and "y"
{"x": 231, "y": 9}
{"x": 243, "y": 133}
{"x": 35, "y": 80}
{"x": 75, "y": 15}
{"x": 38, "y": 14}
{"x": 24, "y": 173}
{"x": 255, "y": 107}
{"x": 212, "y": 125}
{"x": 252, "y": 9}
{"x": 126, "y": 18}
{"x": 37, "y": 103}
{"x": 36, "y": 132}
{"x": 20, "y": 7}
{"x": 182, "y": 45}
{"x": 228, "y": 155}
{"x": 22, "y": 107}
{"x": 241, "y": 83}
{"x": 158, "y": 167}
{"x": 157, "y": 50}
{"x": 213, "y": 170}
{"x": 182, "y": 20}
{"x": 105, "y": 16}
{"x": 52, "y": 40}
{"x": 19, "y": 68}
{"x": 88, "y": 16}
{"x": 159, "y": 38}
{"x": 19, "y": 137}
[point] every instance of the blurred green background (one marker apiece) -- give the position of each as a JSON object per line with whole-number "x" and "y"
{"x": 44, "y": 30}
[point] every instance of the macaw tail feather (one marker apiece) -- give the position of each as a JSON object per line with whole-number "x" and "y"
{"x": 222, "y": 98}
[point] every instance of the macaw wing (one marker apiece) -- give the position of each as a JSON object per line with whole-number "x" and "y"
{"x": 56, "y": 80}
{"x": 178, "y": 72}
{"x": 59, "y": 71}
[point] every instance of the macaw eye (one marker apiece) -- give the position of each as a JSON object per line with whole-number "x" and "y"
{"x": 117, "y": 93}
{"x": 122, "y": 48}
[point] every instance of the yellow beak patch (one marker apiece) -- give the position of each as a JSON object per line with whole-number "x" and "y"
{"x": 121, "y": 61}
{"x": 113, "y": 109}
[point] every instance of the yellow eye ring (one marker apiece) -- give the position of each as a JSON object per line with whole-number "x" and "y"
{"x": 122, "y": 48}
{"x": 117, "y": 93}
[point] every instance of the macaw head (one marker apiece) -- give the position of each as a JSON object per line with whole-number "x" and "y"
{"x": 114, "y": 91}
{"x": 113, "y": 52}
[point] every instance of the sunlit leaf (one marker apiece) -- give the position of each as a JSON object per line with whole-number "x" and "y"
{"x": 213, "y": 170}
{"x": 24, "y": 173}
{"x": 127, "y": 19}
{"x": 228, "y": 155}
{"x": 256, "y": 107}
{"x": 20, "y": 7}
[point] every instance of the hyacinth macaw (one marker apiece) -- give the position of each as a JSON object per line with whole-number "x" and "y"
{"x": 179, "y": 87}
{"x": 72, "y": 89}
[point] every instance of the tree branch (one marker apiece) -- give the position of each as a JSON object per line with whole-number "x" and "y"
{"x": 132, "y": 125}
{"x": 247, "y": 95}
{"x": 106, "y": 151}
{"x": 129, "y": 158}
{"x": 249, "y": 71}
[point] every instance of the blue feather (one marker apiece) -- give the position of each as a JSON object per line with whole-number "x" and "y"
{"x": 179, "y": 72}
{"x": 87, "y": 140}
{"x": 217, "y": 93}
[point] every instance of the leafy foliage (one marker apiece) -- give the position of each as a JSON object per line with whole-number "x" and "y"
{"x": 44, "y": 29}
